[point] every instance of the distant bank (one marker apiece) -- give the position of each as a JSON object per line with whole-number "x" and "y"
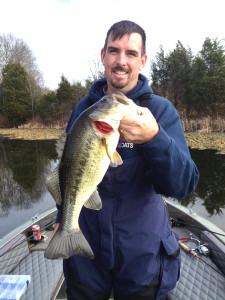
{"x": 196, "y": 140}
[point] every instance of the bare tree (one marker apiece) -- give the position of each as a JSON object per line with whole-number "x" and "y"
{"x": 96, "y": 69}
{"x": 14, "y": 50}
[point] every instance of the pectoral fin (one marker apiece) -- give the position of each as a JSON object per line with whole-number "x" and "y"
{"x": 94, "y": 202}
{"x": 115, "y": 158}
{"x": 53, "y": 187}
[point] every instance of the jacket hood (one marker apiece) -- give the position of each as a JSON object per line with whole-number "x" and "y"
{"x": 97, "y": 89}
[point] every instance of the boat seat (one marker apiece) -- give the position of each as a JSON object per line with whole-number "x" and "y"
{"x": 12, "y": 253}
{"x": 198, "y": 280}
{"x": 46, "y": 274}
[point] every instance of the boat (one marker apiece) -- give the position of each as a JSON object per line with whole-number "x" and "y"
{"x": 202, "y": 273}
{"x": 202, "y": 248}
{"x": 22, "y": 254}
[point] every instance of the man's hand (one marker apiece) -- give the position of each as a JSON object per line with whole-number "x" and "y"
{"x": 139, "y": 128}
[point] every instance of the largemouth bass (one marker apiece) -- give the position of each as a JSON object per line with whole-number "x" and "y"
{"x": 89, "y": 150}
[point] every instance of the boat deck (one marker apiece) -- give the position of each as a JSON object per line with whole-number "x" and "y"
{"x": 201, "y": 277}
{"x": 19, "y": 256}
{"x": 198, "y": 279}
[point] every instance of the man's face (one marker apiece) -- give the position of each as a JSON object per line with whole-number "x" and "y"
{"x": 122, "y": 61}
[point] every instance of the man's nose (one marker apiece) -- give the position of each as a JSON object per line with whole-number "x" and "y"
{"x": 121, "y": 59}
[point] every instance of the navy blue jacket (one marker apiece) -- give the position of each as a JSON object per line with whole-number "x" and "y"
{"x": 131, "y": 234}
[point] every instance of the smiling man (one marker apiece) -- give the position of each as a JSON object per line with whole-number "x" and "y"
{"x": 123, "y": 59}
{"x": 136, "y": 252}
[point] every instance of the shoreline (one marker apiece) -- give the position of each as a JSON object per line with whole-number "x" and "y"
{"x": 206, "y": 141}
{"x": 31, "y": 134}
{"x": 195, "y": 140}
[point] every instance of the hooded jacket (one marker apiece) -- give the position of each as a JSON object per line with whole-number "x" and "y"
{"x": 131, "y": 234}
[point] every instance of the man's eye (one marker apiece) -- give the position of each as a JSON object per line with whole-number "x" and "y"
{"x": 113, "y": 51}
{"x": 132, "y": 54}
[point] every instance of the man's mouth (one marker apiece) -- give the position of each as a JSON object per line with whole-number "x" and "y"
{"x": 120, "y": 72}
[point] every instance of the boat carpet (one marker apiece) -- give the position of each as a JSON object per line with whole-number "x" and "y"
{"x": 12, "y": 253}
{"x": 198, "y": 281}
{"x": 45, "y": 275}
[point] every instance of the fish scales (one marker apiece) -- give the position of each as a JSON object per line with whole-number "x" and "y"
{"x": 82, "y": 184}
{"x": 86, "y": 168}
{"x": 82, "y": 187}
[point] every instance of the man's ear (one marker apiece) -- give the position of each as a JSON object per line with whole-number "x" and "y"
{"x": 103, "y": 56}
{"x": 143, "y": 61}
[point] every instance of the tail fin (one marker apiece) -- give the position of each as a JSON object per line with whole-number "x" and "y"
{"x": 66, "y": 243}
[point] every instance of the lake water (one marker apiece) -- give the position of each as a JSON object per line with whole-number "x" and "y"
{"x": 24, "y": 166}
{"x": 208, "y": 200}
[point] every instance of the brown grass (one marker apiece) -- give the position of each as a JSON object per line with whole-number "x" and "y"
{"x": 31, "y": 133}
{"x": 207, "y": 124}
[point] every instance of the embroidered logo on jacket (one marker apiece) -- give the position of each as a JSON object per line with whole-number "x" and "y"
{"x": 124, "y": 144}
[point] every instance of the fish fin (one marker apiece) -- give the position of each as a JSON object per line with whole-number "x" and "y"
{"x": 116, "y": 160}
{"x": 94, "y": 202}
{"x": 53, "y": 186}
{"x": 66, "y": 243}
{"x": 120, "y": 97}
{"x": 60, "y": 143}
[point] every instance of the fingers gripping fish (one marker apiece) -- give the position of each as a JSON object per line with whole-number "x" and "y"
{"x": 89, "y": 150}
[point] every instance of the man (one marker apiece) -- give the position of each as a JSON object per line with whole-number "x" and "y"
{"x": 136, "y": 253}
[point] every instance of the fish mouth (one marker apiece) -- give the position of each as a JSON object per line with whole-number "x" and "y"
{"x": 103, "y": 127}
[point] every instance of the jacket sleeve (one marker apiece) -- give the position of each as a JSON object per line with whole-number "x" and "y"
{"x": 170, "y": 166}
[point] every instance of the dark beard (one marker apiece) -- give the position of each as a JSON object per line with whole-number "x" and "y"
{"x": 118, "y": 85}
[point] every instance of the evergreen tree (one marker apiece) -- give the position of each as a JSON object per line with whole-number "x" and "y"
{"x": 64, "y": 91}
{"x": 159, "y": 74}
{"x": 47, "y": 106}
{"x": 179, "y": 68}
{"x": 65, "y": 98}
{"x": 196, "y": 100}
{"x": 208, "y": 78}
{"x": 14, "y": 50}
{"x": 16, "y": 100}
{"x": 171, "y": 75}
{"x": 79, "y": 92}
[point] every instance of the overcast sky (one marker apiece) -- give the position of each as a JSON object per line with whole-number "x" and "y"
{"x": 66, "y": 36}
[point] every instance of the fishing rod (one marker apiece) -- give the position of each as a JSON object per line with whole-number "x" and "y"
{"x": 201, "y": 248}
{"x": 177, "y": 222}
{"x": 195, "y": 255}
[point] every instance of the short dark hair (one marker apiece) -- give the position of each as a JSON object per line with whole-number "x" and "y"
{"x": 119, "y": 29}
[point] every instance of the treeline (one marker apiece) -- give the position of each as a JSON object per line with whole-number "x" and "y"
{"x": 19, "y": 105}
{"x": 195, "y": 84}
{"x": 54, "y": 107}
{"x": 23, "y": 96}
